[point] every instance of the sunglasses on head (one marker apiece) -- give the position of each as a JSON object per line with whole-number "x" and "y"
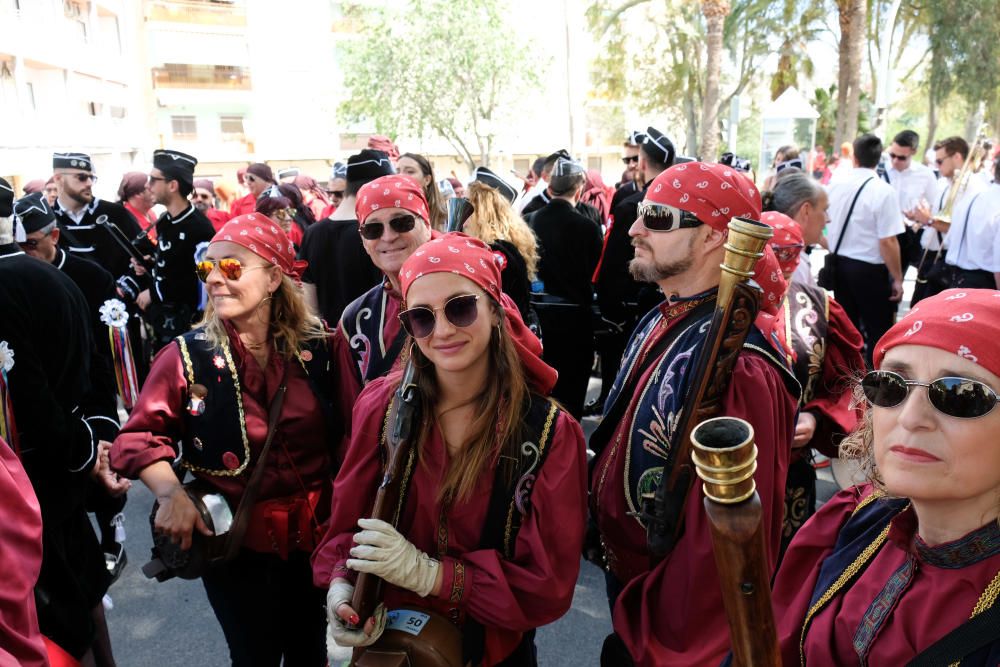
{"x": 630, "y": 159}
{"x": 460, "y": 310}
{"x": 954, "y": 396}
{"x": 230, "y": 268}
{"x": 786, "y": 253}
{"x": 400, "y": 224}
{"x": 665, "y": 218}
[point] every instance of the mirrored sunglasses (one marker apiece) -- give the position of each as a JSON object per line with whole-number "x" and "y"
{"x": 400, "y": 224}
{"x": 665, "y": 218}
{"x": 958, "y": 397}
{"x": 460, "y": 310}
{"x": 787, "y": 253}
{"x": 230, "y": 268}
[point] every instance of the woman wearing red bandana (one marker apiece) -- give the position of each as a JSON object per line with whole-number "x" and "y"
{"x": 484, "y": 422}
{"x": 671, "y": 613}
{"x": 207, "y": 401}
{"x": 887, "y": 569}
{"x": 824, "y": 352}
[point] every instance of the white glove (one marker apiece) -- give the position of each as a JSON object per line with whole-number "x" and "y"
{"x": 382, "y": 551}
{"x": 337, "y": 633}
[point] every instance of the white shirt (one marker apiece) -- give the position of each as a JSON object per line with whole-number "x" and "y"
{"x": 973, "y": 246}
{"x": 876, "y": 215}
{"x": 803, "y": 272}
{"x": 912, "y": 185}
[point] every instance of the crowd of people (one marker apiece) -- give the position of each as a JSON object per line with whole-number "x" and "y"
{"x": 384, "y": 376}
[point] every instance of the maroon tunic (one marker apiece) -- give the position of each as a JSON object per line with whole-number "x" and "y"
{"x": 909, "y": 596}
{"x": 508, "y": 597}
{"x": 672, "y": 614}
{"x": 20, "y": 560}
{"x": 300, "y": 443}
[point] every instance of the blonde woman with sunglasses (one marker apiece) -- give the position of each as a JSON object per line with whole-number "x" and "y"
{"x": 258, "y": 361}
{"x": 908, "y": 565}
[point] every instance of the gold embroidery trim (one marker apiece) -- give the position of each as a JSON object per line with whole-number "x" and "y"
{"x": 542, "y": 443}
{"x": 458, "y": 583}
{"x": 239, "y": 405}
{"x": 841, "y": 581}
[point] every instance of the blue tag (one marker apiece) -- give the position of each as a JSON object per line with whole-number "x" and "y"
{"x": 407, "y": 620}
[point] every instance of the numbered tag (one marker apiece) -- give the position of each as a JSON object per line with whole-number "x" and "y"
{"x": 407, "y": 620}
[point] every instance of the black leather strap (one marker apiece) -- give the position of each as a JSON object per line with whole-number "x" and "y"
{"x": 976, "y": 633}
{"x": 850, "y": 212}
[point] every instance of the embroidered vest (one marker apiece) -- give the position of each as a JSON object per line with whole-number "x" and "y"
{"x": 362, "y": 324}
{"x": 215, "y": 436}
{"x": 860, "y": 538}
{"x": 807, "y": 325}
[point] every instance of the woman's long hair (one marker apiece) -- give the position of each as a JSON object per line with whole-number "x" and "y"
{"x": 496, "y": 431}
{"x": 292, "y": 324}
{"x": 494, "y": 219}
{"x": 435, "y": 202}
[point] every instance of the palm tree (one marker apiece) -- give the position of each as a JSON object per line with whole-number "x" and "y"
{"x": 715, "y": 12}
{"x": 852, "y": 34}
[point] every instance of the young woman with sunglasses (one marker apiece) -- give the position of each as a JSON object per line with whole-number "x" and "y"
{"x": 206, "y": 406}
{"x": 499, "y": 562}
{"x": 823, "y": 348}
{"x": 886, "y": 569}
{"x": 420, "y": 170}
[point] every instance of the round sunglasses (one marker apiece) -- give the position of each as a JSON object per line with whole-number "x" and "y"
{"x": 954, "y": 396}
{"x": 460, "y": 310}
{"x": 400, "y": 224}
{"x": 230, "y": 268}
{"x": 665, "y": 218}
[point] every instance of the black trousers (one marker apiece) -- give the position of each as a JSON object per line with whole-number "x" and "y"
{"x": 973, "y": 278}
{"x": 269, "y": 609}
{"x": 569, "y": 348}
{"x": 863, "y": 290}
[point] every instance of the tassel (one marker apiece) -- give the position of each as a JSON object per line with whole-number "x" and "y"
{"x": 119, "y": 523}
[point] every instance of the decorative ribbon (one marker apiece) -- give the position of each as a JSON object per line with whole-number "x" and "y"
{"x": 115, "y": 315}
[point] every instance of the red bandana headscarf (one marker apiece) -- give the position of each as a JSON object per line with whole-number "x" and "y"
{"x": 393, "y": 191}
{"x": 787, "y": 234}
{"x": 470, "y": 258}
{"x": 380, "y": 142}
{"x": 767, "y": 274}
{"x": 262, "y": 236}
{"x": 712, "y": 192}
{"x": 961, "y": 321}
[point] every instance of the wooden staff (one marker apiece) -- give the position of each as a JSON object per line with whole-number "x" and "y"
{"x": 725, "y": 458}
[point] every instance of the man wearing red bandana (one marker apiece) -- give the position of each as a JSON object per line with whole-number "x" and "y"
{"x": 671, "y": 613}
{"x": 393, "y": 218}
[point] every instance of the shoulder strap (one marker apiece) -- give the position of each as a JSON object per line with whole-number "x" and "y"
{"x": 601, "y": 436}
{"x": 976, "y": 633}
{"x": 850, "y": 212}
{"x": 234, "y": 538}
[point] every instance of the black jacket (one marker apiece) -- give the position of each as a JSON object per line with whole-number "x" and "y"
{"x": 85, "y": 239}
{"x": 570, "y": 247}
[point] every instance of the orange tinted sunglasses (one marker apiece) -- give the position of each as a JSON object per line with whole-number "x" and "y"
{"x": 230, "y": 268}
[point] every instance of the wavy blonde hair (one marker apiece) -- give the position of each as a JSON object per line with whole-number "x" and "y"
{"x": 292, "y": 323}
{"x": 859, "y": 444}
{"x": 494, "y": 219}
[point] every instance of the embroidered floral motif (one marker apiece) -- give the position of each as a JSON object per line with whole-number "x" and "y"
{"x": 522, "y": 491}
{"x": 360, "y": 342}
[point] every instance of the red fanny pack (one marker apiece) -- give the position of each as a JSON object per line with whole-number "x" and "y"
{"x": 284, "y": 525}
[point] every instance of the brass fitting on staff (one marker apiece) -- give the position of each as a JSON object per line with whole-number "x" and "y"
{"x": 725, "y": 458}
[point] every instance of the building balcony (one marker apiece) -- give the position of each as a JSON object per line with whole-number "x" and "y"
{"x": 227, "y": 13}
{"x": 201, "y": 77}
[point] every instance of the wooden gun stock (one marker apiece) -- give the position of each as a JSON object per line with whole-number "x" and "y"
{"x": 725, "y": 458}
{"x": 402, "y": 421}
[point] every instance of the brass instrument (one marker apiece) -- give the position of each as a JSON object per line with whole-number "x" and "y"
{"x": 459, "y": 210}
{"x": 725, "y": 459}
{"x": 736, "y": 308}
{"x": 977, "y": 153}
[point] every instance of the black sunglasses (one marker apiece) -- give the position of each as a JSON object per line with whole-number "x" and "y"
{"x": 460, "y": 310}
{"x": 400, "y": 224}
{"x": 900, "y": 158}
{"x": 30, "y": 244}
{"x": 664, "y": 218}
{"x": 83, "y": 178}
{"x": 631, "y": 158}
{"x": 954, "y": 396}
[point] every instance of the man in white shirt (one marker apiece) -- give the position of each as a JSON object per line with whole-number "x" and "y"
{"x": 972, "y": 254}
{"x": 913, "y": 183}
{"x": 949, "y": 156}
{"x": 864, "y": 222}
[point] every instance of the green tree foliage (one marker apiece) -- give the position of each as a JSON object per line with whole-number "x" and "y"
{"x": 441, "y": 67}
{"x": 825, "y": 102}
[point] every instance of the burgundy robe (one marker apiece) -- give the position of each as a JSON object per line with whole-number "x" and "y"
{"x": 300, "y": 443}
{"x": 909, "y": 596}
{"x": 20, "y": 561}
{"x": 672, "y": 614}
{"x": 508, "y": 597}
